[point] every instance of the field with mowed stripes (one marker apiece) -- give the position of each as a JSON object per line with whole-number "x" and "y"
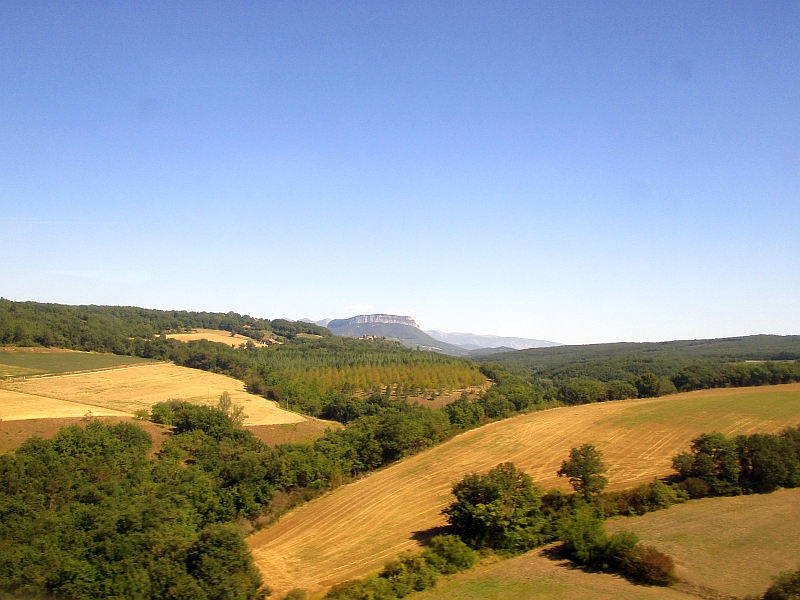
{"x": 122, "y": 391}
{"x": 356, "y": 529}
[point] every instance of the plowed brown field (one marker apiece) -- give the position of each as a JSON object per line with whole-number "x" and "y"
{"x": 357, "y": 528}
{"x": 122, "y": 391}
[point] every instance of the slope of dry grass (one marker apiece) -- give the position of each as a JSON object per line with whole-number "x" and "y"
{"x": 731, "y": 546}
{"x": 355, "y": 529}
{"x": 123, "y": 391}
{"x": 534, "y": 576}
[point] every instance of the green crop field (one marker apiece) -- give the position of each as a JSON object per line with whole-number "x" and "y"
{"x": 41, "y": 362}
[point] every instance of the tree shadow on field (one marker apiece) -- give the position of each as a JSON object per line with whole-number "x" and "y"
{"x": 424, "y": 536}
{"x": 557, "y": 553}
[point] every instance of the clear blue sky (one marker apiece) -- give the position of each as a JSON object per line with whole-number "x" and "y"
{"x": 576, "y": 171}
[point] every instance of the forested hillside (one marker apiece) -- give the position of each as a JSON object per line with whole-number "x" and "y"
{"x": 576, "y": 374}
{"x": 117, "y": 328}
{"x": 306, "y": 373}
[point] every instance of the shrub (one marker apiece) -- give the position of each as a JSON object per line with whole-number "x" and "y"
{"x": 785, "y": 586}
{"x": 696, "y": 488}
{"x": 161, "y": 413}
{"x": 647, "y": 565}
{"x": 583, "y": 536}
{"x": 645, "y": 498}
{"x": 409, "y": 574}
{"x": 448, "y": 554}
{"x": 586, "y": 542}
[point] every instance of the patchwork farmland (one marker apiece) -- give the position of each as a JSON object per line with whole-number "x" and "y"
{"x": 357, "y": 528}
{"x": 123, "y": 391}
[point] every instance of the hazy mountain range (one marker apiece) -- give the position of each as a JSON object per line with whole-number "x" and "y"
{"x": 405, "y": 330}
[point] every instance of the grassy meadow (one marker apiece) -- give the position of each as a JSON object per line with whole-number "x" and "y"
{"x": 357, "y": 528}
{"x": 535, "y": 576}
{"x": 722, "y": 547}
{"x": 725, "y": 546}
{"x": 29, "y": 361}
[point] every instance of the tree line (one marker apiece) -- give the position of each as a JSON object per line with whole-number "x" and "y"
{"x": 598, "y": 372}
{"x": 720, "y": 465}
{"x": 122, "y": 329}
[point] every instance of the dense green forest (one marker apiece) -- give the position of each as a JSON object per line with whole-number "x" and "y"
{"x": 88, "y": 515}
{"x": 597, "y": 372}
{"x": 117, "y": 329}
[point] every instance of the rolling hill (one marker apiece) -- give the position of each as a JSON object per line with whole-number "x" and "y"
{"x": 659, "y": 357}
{"x": 357, "y": 528}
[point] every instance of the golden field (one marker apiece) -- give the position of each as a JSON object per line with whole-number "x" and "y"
{"x": 357, "y": 528}
{"x": 212, "y": 335}
{"x": 124, "y": 390}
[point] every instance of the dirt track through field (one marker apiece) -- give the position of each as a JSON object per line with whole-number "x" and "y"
{"x": 122, "y": 391}
{"x": 357, "y": 528}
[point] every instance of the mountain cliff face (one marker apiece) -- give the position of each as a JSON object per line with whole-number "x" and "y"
{"x": 402, "y": 329}
{"x": 366, "y": 319}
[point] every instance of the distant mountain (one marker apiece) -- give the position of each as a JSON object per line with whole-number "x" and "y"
{"x": 369, "y": 319}
{"x": 402, "y": 329}
{"x": 471, "y": 341}
{"x": 488, "y": 351}
{"x": 321, "y": 323}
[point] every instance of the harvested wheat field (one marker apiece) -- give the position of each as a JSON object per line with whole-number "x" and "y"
{"x": 726, "y": 546}
{"x": 357, "y": 528}
{"x": 125, "y": 390}
{"x": 17, "y": 406}
{"x": 212, "y": 335}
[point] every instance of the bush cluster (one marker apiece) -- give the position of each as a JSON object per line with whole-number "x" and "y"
{"x": 586, "y": 542}
{"x": 410, "y": 573}
{"x": 645, "y": 498}
{"x": 718, "y": 465}
{"x": 786, "y": 586}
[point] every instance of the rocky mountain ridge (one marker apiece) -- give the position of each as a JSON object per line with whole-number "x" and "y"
{"x": 378, "y": 318}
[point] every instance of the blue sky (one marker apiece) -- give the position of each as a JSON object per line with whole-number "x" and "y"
{"x": 579, "y": 172}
